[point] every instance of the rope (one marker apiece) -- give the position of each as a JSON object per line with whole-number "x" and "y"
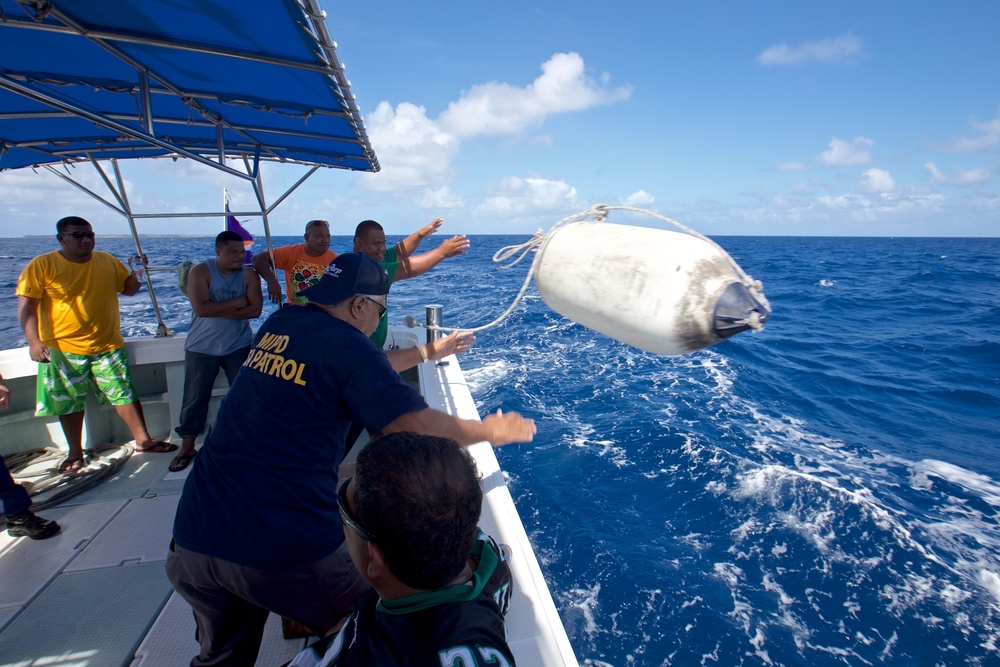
{"x": 599, "y": 213}
{"x": 55, "y": 486}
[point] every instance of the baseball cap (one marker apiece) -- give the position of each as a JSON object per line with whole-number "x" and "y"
{"x": 348, "y": 275}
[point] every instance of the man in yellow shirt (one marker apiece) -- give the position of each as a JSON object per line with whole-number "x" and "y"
{"x": 68, "y": 309}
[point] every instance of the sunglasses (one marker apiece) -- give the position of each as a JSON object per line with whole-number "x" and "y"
{"x": 80, "y": 235}
{"x": 382, "y": 310}
{"x": 347, "y": 517}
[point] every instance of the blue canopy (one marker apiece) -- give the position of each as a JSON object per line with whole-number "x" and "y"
{"x": 202, "y": 79}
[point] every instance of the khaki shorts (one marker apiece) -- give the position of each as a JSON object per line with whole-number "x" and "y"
{"x": 63, "y": 382}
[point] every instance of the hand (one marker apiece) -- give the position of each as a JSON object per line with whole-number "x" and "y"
{"x": 274, "y": 291}
{"x": 508, "y": 428}
{"x": 456, "y": 245}
{"x": 431, "y": 227}
{"x": 39, "y": 351}
{"x": 457, "y": 342}
{"x": 4, "y": 395}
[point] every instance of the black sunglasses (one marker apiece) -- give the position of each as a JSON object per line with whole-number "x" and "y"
{"x": 347, "y": 517}
{"x": 382, "y": 310}
{"x": 80, "y": 235}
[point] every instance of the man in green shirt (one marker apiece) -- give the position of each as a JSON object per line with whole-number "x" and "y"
{"x": 399, "y": 261}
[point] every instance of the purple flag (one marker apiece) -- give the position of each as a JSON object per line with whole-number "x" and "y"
{"x": 233, "y": 225}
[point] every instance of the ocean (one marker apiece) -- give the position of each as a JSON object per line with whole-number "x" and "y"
{"x": 826, "y": 492}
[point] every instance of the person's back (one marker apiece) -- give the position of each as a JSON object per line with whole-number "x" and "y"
{"x": 280, "y": 458}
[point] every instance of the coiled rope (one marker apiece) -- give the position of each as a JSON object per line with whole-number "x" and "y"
{"x": 47, "y": 486}
{"x": 510, "y": 256}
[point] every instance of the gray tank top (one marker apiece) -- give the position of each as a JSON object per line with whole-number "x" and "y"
{"x": 220, "y": 336}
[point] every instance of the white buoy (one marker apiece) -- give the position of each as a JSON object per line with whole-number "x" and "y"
{"x": 661, "y": 291}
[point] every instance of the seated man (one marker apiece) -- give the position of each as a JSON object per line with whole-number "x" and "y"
{"x": 441, "y": 586}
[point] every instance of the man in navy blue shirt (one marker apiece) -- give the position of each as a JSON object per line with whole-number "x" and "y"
{"x": 257, "y": 527}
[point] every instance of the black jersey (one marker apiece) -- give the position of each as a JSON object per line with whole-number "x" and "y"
{"x": 456, "y": 625}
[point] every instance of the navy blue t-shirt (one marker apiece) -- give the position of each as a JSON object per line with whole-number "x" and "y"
{"x": 262, "y": 490}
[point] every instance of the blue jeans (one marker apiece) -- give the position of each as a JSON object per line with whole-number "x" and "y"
{"x": 13, "y": 497}
{"x": 199, "y": 378}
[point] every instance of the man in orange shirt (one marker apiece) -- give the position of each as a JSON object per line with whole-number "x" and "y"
{"x": 303, "y": 263}
{"x": 68, "y": 309}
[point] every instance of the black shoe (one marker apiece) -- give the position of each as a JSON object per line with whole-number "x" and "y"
{"x": 27, "y": 524}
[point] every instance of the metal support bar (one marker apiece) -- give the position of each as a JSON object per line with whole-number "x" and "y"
{"x": 434, "y": 319}
{"x": 161, "y": 328}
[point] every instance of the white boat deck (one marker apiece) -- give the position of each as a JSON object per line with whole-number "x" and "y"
{"x": 96, "y": 594}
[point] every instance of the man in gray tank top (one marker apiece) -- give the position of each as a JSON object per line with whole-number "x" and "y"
{"x": 225, "y": 295}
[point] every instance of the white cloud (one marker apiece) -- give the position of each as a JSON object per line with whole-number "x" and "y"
{"x": 412, "y": 149}
{"x": 791, "y": 166}
{"x": 639, "y": 199}
{"x": 440, "y": 198}
{"x": 877, "y": 181}
{"x": 959, "y": 177}
{"x": 416, "y": 151}
{"x": 846, "y": 154}
{"x": 497, "y": 108}
{"x": 517, "y": 195}
{"x": 987, "y": 138}
{"x": 833, "y": 49}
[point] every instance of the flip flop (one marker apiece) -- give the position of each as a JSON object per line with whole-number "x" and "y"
{"x": 180, "y": 462}
{"x": 158, "y": 447}
{"x": 71, "y": 466}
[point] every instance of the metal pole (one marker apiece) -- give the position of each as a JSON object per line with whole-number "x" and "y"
{"x": 161, "y": 328}
{"x": 434, "y": 319}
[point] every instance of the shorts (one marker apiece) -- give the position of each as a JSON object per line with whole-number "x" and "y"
{"x": 63, "y": 382}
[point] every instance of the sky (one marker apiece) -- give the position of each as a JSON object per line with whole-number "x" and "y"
{"x": 730, "y": 117}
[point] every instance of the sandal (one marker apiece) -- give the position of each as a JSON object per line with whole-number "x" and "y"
{"x": 180, "y": 462}
{"x": 158, "y": 447}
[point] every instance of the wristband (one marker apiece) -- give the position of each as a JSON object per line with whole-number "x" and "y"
{"x": 422, "y": 349}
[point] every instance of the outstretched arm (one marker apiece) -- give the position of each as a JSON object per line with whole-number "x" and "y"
{"x": 261, "y": 263}
{"x": 415, "y": 266}
{"x": 497, "y": 429}
{"x": 457, "y": 342}
{"x": 408, "y": 246}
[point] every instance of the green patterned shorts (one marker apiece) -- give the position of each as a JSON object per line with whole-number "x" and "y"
{"x": 63, "y": 382}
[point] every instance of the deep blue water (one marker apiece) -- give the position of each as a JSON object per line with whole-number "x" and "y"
{"x": 826, "y": 492}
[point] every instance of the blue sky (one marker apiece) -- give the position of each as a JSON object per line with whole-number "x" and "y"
{"x": 763, "y": 118}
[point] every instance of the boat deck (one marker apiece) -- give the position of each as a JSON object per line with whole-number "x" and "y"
{"x": 97, "y": 593}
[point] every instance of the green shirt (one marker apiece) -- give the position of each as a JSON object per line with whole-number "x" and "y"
{"x": 391, "y": 264}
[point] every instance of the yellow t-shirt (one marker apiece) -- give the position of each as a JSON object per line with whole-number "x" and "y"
{"x": 301, "y": 270}
{"x": 78, "y": 309}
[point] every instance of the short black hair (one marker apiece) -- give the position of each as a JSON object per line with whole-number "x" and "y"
{"x": 366, "y": 226}
{"x": 70, "y": 221}
{"x": 420, "y": 495}
{"x": 227, "y": 236}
